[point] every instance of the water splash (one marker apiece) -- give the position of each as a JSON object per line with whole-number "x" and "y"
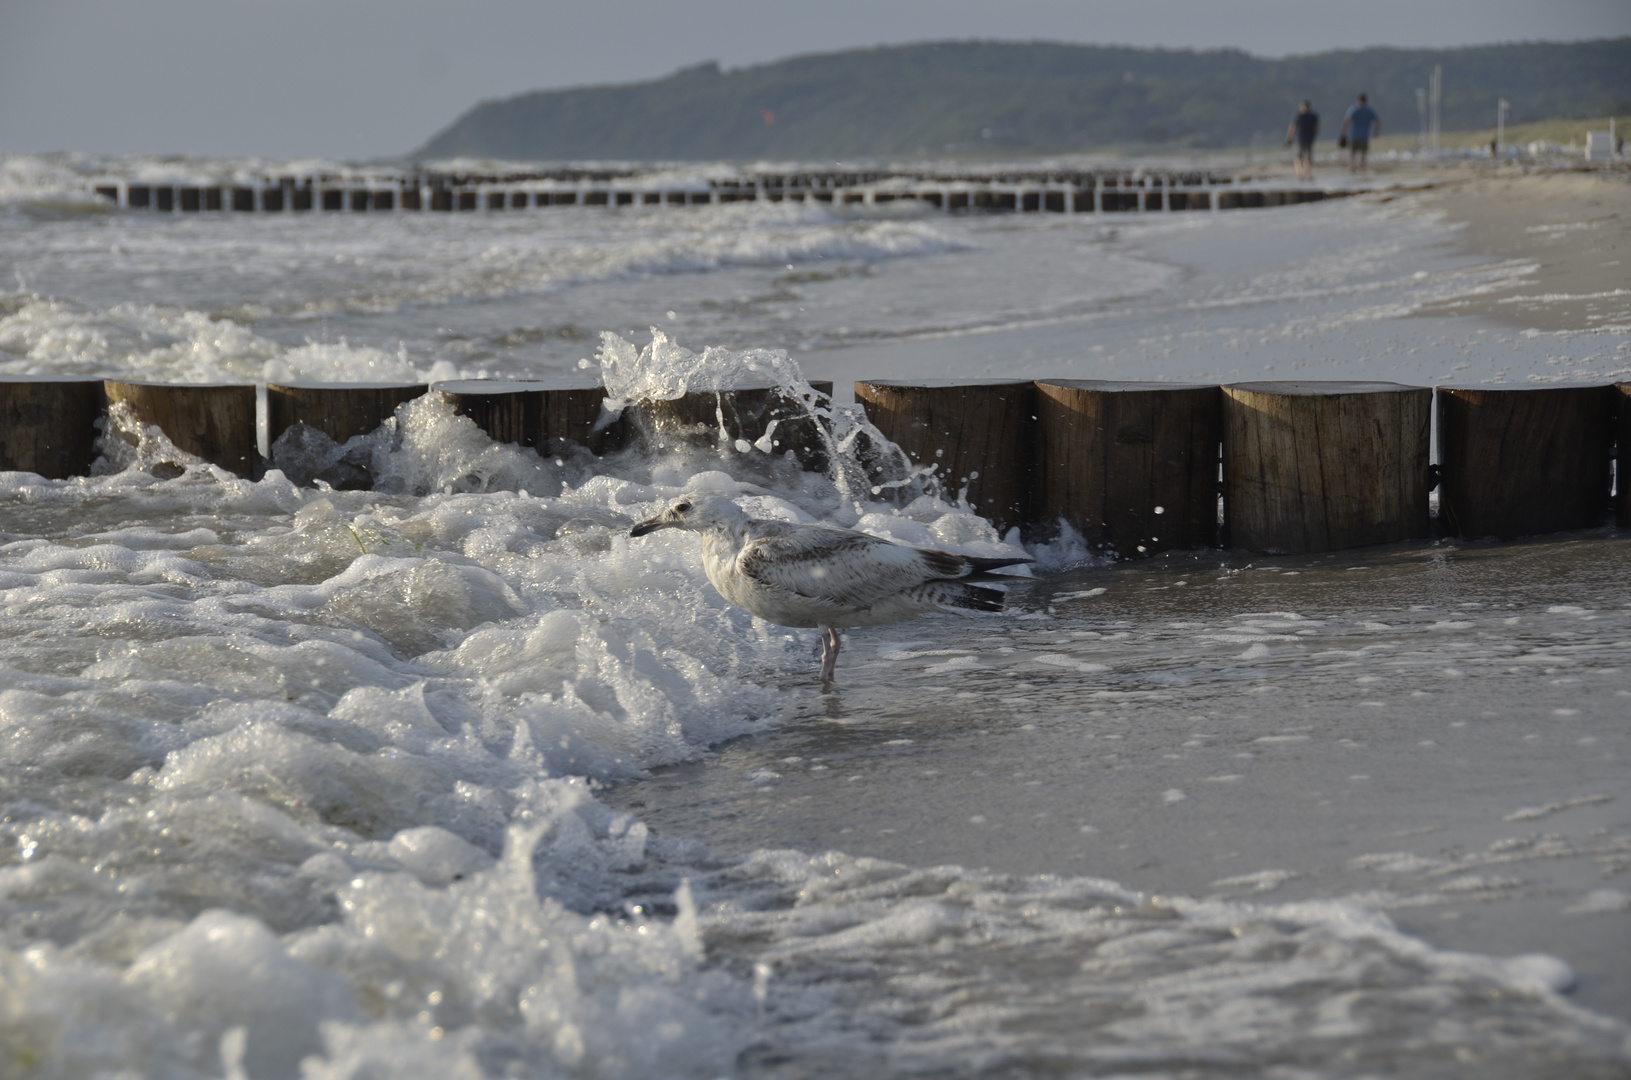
{"x": 861, "y": 463}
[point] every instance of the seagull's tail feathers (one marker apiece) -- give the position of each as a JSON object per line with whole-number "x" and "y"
{"x": 980, "y": 565}
{"x": 980, "y": 569}
{"x": 945, "y": 564}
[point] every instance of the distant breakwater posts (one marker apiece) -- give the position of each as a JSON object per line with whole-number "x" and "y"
{"x": 1136, "y": 468}
{"x": 1059, "y": 192}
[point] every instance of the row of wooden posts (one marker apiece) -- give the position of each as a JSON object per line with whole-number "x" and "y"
{"x": 1135, "y": 467}
{"x": 1097, "y": 197}
{"x": 1300, "y": 467}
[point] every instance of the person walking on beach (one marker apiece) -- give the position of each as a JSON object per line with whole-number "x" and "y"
{"x": 1304, "y": 127}
{"x": 1359, "y": 125}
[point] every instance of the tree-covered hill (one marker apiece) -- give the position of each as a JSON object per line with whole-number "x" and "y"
{"x": 1019, "y": 98}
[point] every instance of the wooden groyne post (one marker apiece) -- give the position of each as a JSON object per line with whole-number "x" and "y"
{"x": 979, "y": 437}
{"x": 48, "y": 426}
{"x": 1515, "y": 462}
{"x": 215, "y": 423}
{"x": 535, "y": 413}
{"x": 339, "y": 410}
{"x": 1622, "y": 466}
{"x": 1320, "y": 466}
{"x": 1132, "y": 466}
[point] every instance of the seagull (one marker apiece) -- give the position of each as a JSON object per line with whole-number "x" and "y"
{"x": 817, "y": 575}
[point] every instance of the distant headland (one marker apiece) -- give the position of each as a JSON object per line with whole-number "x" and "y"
{"x": 1000, "y": 98}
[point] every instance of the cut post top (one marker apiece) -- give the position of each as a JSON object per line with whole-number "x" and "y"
{"x": 940, "y": 384}
{"x": 1314, "y": 388}
{"x": 179, "y": 386}
{"x": 318, "y": 385}
{"x": 459, "y": 387}
{"x": 1121, "y": 386}
{"x": 1501, "y": 391}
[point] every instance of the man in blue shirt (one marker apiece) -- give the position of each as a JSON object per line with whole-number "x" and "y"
{"x": 1359, "y": 126}
{"x": 1304, "y": 126}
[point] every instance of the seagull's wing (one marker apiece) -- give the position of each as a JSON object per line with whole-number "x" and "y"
{"x": 838, "y": 566}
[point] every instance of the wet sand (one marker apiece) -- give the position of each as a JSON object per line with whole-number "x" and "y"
{"x": 1459, "y": 274}
{"x": 1573, "y": 227}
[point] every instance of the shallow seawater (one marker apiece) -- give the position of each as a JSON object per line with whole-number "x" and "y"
{"x": 455, "y": 779}
{"x": 1432, "y": 730}
{"x": 414, "y": 763}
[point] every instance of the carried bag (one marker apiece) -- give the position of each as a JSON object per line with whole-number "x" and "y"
{"x": 1342, "y": 142}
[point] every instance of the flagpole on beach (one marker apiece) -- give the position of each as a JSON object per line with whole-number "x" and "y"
{"x": 1435, "y": 94}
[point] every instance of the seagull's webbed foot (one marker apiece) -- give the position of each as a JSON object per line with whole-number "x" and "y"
{"x": 829, "y": 654}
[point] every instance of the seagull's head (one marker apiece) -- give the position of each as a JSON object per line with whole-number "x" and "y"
{"x": 694, "y": 513}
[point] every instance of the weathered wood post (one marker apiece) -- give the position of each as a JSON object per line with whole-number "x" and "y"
{"x": 339, "y": 410}
{"x": 1622, "y": 468}
{"x": 575, "y": 412}
{"x": 1514, "y": 462}
{"x": 48, "y": 426}
{"x": 216, "y": 423}
{"x": 1319, "y": 466}
{"x": 1132, "y": 466}
{"x": 980, "y": 435}
{"x": 510, "y": 411}
{"x": 536, "y": 413}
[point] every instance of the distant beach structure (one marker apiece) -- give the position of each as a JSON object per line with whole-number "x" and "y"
{"x": 1602, "y": 145}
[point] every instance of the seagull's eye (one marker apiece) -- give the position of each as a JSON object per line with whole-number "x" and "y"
{"x": 682, "y": 508}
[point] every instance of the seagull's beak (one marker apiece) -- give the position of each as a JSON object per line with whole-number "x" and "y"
{"x": 651, "y": 525}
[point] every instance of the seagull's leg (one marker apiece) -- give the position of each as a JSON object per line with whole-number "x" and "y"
{"x": 829, "y": 654}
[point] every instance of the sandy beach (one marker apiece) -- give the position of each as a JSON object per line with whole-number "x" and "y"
{"x": 1573, "y": 227}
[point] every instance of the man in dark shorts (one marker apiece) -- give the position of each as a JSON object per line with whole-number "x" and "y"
{"x": 1304, "y": 127}
{"x": 1360, "y": 125}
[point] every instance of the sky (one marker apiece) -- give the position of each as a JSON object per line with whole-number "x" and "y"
{"x": 366, "y": 79}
